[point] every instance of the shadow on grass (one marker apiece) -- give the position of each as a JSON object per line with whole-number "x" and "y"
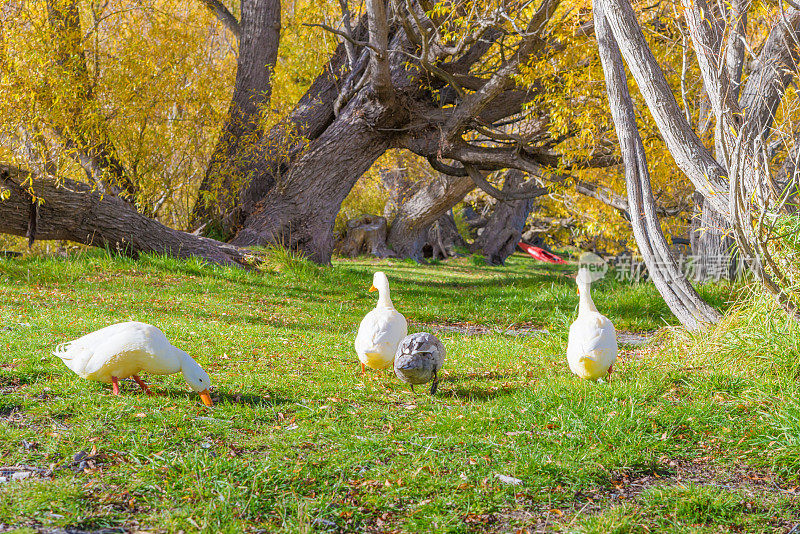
{"x": 476, "y": 394}
{"x": 19, "y": 378}
{"x": 222, "y": 397}
{"x": 9, "y": 410}
{"x": 486, "y": 375}
{"x": 129, "y": 388}
{"x": 83, "y": 527}
{"x": 248, "y": 399}
{"x": 92, "y": 525}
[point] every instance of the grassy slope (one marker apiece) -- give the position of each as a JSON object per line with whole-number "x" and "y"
{"x": 299, "y": 440}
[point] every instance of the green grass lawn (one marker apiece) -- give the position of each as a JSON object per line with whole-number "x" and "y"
{"x": 694, "y": 434}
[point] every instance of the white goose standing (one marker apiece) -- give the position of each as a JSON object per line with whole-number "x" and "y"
{"x": 124, "y": 350}
{"x": 381, "y": 329}
{"x": 592, "y": 345}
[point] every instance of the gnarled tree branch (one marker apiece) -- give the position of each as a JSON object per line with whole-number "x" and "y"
{"x": 224, "y": 16}
{"x": 529, "y": 189}
{"x": 72, "y": 211}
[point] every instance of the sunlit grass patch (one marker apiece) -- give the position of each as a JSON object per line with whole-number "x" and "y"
{"x": 300, "y": 440}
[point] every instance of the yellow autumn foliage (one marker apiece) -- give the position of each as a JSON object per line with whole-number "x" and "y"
{"x": 158, "y": 74}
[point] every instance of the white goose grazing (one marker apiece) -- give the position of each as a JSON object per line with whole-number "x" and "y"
{"x": 123, "y": 350}
{"x": 592, "y": 345}
{"x": 381, "y": 329}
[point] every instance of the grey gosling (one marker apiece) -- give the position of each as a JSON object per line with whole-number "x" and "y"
{"x": 418, "y": 360}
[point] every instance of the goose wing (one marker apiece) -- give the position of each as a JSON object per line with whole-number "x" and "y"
{"x": 601, "y": 335}
{"x": 89, "y": 354}
{"x": 422, "y": 349}
{"x": 380, "y": 331}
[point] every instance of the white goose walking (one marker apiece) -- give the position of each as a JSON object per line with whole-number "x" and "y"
{"x": 381, "y": 329}
{"x": 592, "y": 345}
{"x": 124, "y": 350}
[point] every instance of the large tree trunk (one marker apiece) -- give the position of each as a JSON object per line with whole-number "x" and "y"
{"x": 365, "y": 235}
{"x": 443, "y": 239}
{"x": 235, "y": 160}
{"x": 72, "y": 211}
{"x": 712, "y": 245}
{"x": 499, "y": 238}
{"x": 678, "y": 294}
{"x": 408, "y": 233}
{"x": 300, "y": 210}
{"x": 279, "y": 148}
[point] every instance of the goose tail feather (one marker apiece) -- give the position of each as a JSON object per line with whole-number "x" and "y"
{"x": 64, "y": 351}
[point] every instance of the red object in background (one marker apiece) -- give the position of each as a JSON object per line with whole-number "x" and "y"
{"x": 539, "y": 253}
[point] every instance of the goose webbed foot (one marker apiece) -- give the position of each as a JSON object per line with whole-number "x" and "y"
{"x": 142, "y": 385}
{"x": 115, "y": 385}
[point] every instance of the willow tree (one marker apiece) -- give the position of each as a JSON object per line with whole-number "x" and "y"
{"x": 140, "y": 108}
{"x": 132, "y": 98}
{"x": 745, "y": 78}
{"x": 441, "y": 82}
{"x": 103, "y": 123}
{"x": 436, "y": 81}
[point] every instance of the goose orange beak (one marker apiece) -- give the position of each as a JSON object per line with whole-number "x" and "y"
{"x": 578, "y": 291}
{"x": 372, "y": 288}
{"x": 206, "y": 397}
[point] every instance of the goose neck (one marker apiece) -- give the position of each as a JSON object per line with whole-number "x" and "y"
{"x": 384, "y": 301}
{"x": 586, "y": 304}
{"x": 185, "y": 360}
